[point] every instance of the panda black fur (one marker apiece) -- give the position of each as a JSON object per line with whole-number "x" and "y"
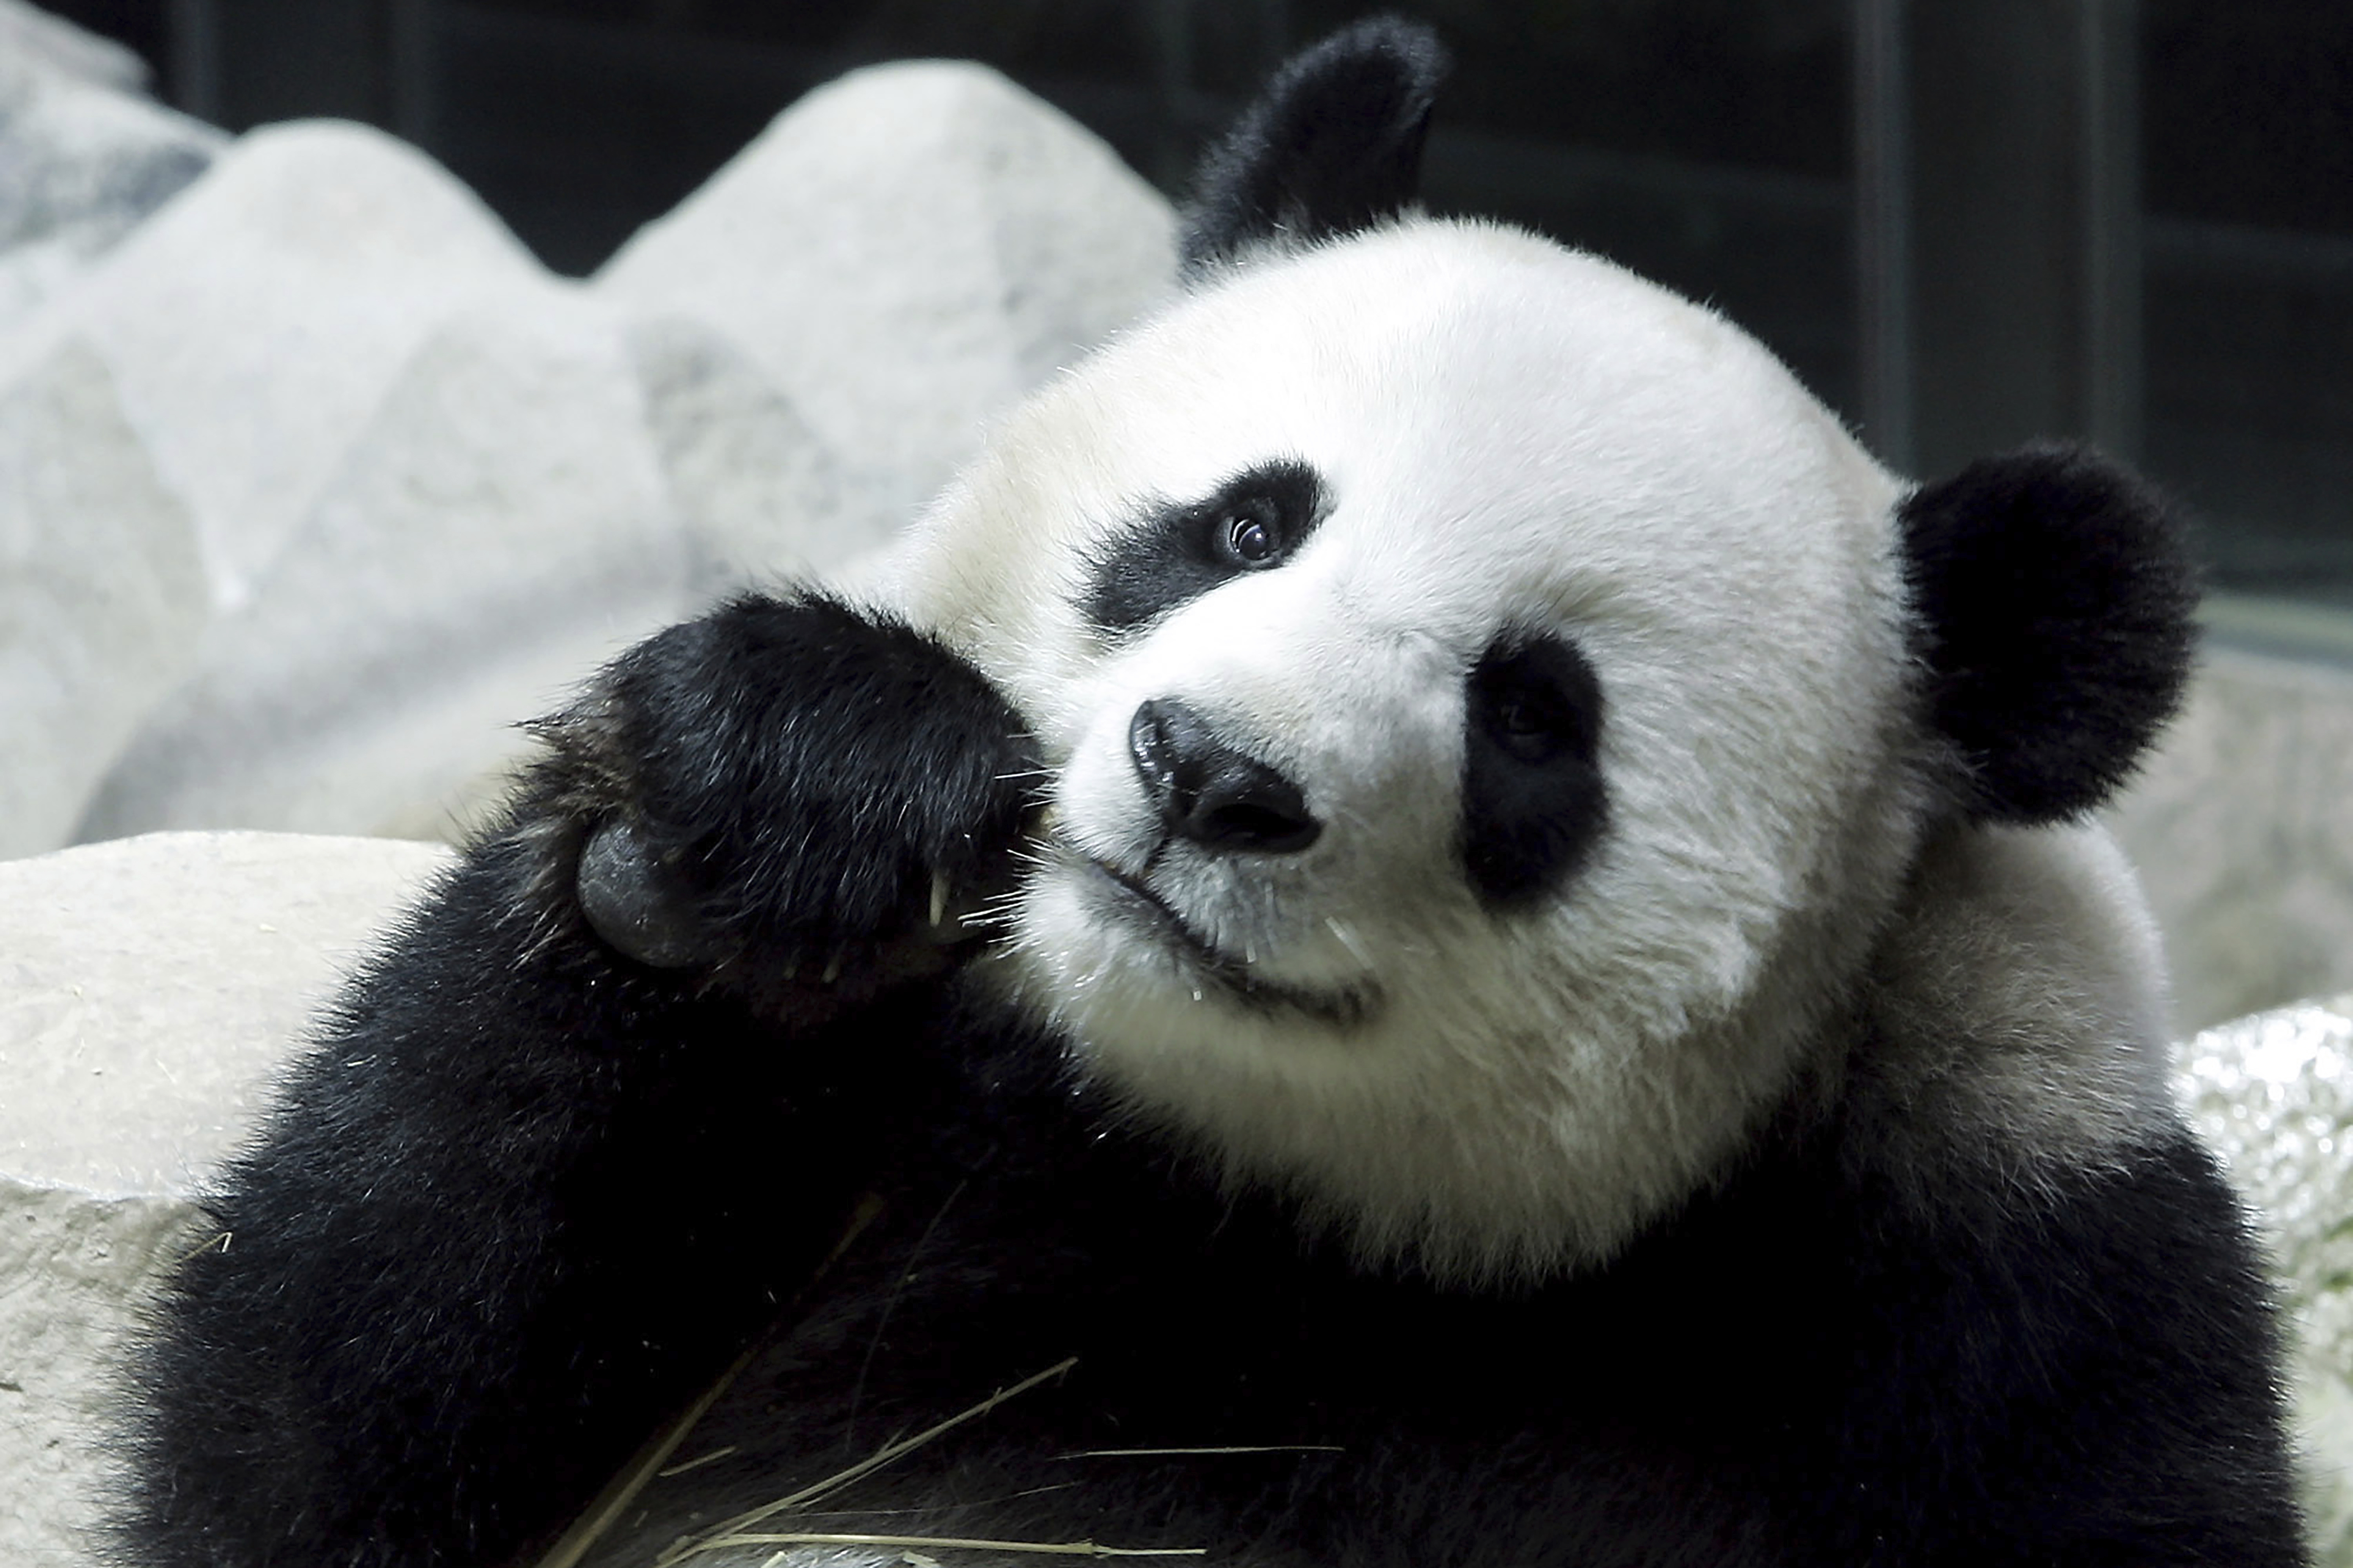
{"x": 1541, "y": 986}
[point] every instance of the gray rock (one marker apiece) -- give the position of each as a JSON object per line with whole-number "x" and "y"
{"x": 497, "y": 530}
{"x": 758, "y": 495}
{"x": 60, "y": 49}
{"x": 2274, "y": 1095}
{"x": 148, "y": 990}
{"x": 169, "y": 427}
{"x": 254, "y": 326}
{"x": 2239, "y": 828}
{"x": 905, "y": 252}
{"x": 102, "y": 596}
{"x": 87, "y": 158}
{"x": 431, "y": 487}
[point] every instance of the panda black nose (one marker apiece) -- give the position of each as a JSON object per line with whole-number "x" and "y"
{"x": 1211, "y": 793}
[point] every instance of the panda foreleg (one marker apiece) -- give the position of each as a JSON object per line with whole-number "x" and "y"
{"x": 531, "y": 1188}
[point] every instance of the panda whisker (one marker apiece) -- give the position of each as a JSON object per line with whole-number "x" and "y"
{"x": 1347, "y": 938}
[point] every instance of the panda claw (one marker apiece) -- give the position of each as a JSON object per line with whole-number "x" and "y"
{"x": 939, "y": 897}
{"x": 832, "y": 969}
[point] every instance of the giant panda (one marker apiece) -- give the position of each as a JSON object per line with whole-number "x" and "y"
{"x": 1425, "y": 884}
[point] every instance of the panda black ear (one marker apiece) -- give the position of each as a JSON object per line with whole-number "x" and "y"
{"x": 2055, "y": 593}
{"x": 1333, "y": 146}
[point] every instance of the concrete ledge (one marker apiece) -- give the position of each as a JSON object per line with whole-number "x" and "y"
{"x": 148, "y": 988}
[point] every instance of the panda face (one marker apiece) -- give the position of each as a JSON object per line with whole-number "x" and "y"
{"x": 1476, "y": 686}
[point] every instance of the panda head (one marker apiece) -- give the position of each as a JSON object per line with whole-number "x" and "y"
{"x": 1494, "y": 709}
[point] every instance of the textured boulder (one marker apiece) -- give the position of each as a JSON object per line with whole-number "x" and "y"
{"x": 148, "y": 991}
{"x": 2273, "y": 1094}
{"x": 427, "y": 487}
{"x": 902, "y": 254}
{"x": 758, "y": 494}
{"x": 2240, "y": 829}
{"x": 101, "y": 592}
{"x": 56, "y": 46}
{"x": 253, "y": 328}
{"x": 86, "y": 156}
{"x": 498, "y": 528}
{"x": 415, "y": 471}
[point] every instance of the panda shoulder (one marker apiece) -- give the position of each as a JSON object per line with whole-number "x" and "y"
{"x": 2015, "y": 1014}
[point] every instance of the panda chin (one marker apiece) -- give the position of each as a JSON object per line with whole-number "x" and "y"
{"x": 1126, "y": 903}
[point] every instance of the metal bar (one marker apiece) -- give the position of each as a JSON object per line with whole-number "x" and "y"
{"x": 196, "y": 53}
{"x": 412, "y": 28}
{"x": 2109, "y": 190}
{"x": 1882, "y": 228}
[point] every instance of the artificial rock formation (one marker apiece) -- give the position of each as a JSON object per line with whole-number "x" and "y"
{"x": 87, "y": 154}
{"x": 320, "y": 484}
{"x": 1002, "y": 245}
{"x": 2240, "y": 826}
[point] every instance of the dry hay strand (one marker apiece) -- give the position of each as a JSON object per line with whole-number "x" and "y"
{"x": 732, "y": 1531}
{"x": 970, "y": 1543}
{"x": 606, "y": 1509}
{"x": 654, "y": 1460}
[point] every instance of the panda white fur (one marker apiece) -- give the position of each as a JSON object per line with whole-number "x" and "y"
{"x": 1540, "y": 998}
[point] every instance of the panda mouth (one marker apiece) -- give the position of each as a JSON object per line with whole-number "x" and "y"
{"x": 1341, "y": 1007}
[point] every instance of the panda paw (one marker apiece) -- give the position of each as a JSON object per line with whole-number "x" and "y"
{"x": 789, "y": 798}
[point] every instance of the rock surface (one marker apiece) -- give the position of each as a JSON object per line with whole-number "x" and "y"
{"x": 55, "y": 46}
{"x": 87, "y": 157}
{"x": 905, "y": 252}
{"x": 2241, "y": 829}
{"x": 499, "y": 528}
{"x": 760, "y": 497}
{"x": 426, "y": 488}
{"x": 2273, "y": 1094}
{"x": 254, "y": 326}
{"x": 102, "y": 594}
{"x": 148, "y": 991}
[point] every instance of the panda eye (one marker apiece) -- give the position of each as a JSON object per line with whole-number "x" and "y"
{"x": 1176, "y": 550}
{"x": 1247, "y": 538}
{"x": 1530, "y": 721}
{"x": 1532, "y": 704}
{"x": 1529, "y": 727}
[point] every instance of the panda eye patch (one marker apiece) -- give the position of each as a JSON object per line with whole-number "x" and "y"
{"x": 1533, "y": 800}
{"x": 1176, "y": 550}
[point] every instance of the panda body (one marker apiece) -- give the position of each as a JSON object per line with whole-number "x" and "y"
{"x": 1424, "y": 882}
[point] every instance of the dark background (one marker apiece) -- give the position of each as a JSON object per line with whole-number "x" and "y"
{"x": 1965, "y": 223}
